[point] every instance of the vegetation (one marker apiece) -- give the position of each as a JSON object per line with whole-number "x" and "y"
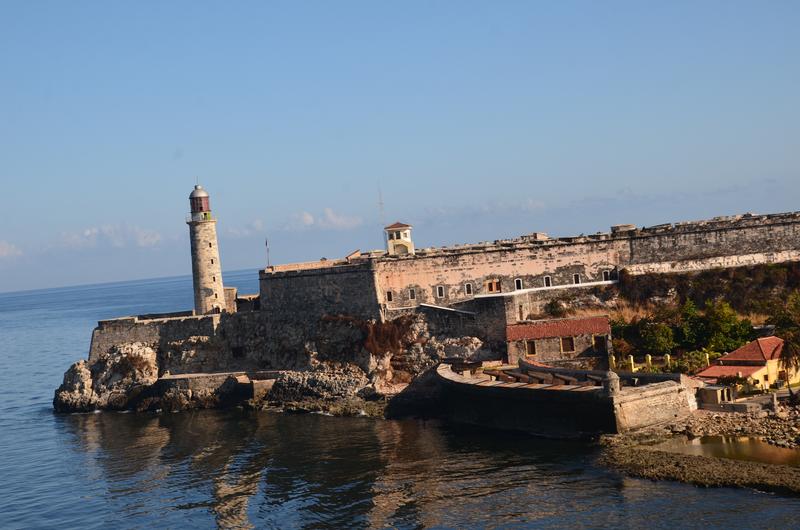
{"x": 786, "y": 319}
{"x": 756, "y": 289}
{"x": 688, "y": 333}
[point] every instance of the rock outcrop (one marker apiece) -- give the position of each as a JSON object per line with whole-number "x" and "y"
{"x": 343, "y": 359}
{"x": 110, "y": 382}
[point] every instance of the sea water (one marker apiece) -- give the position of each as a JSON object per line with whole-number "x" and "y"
{"x": 241, "y": 469}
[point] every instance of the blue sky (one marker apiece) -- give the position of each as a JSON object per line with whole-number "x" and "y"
{"x": 476, "y": 120}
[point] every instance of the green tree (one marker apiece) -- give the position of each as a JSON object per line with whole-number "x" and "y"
{"x": 724, "y": 331}
{"x": 658, "y": 338}
{"x": 691, "y": 327}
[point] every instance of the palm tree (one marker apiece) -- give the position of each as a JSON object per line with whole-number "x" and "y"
{"x": 787, "y": 326}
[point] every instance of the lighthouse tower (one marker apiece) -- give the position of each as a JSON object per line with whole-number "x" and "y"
{"x": 209, "y": 296}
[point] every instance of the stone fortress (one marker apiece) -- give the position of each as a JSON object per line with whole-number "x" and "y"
{"x": 491, "y": 285}
{"x": 392, "y": 314}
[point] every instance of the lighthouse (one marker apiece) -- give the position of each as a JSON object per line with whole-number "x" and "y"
{"x": 209, "y": 295}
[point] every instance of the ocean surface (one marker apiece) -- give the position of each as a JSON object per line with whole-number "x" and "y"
{"x": 236, "y": 469}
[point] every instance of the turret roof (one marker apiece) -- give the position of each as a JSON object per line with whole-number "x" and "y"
{"x": 197, "y": 192}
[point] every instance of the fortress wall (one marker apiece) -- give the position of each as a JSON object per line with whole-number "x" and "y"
{"x": 530, "y": 263}
{"x": 153, "y": 333}
{"x": 651, "y": 404}
{"x": 310, "y": 294}
{"x": 265, "y": 340}
{"x": 699, "y": 241}
{"x": 727, "y": 242}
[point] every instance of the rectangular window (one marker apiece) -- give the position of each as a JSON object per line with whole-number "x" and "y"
{"x": 599, "y": 343}
{"x": 439, "y": 291}
{"x": 518, "y": 284}
{"x": 530, "y": 347}
{"x": 388, "y": 296}
{"x": 209, "y": 244}
{"x": 766, "y": 378}
{"x": 412, "y": 294}
{"x": 521, "y": 313}
{"x": 468, "y": 289}
{"x": 606, "y": 276}
{"x": 548, "y": 282}
{"x": 576, "y": 278}
{"x": 212, "y": 261}
{"x": 213, "y": 278}
{"x": 492, "y": 286}
{"x": 567, "y": 344}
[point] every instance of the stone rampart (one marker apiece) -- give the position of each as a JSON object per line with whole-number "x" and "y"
{"x": 155, "y": 332}
{"x": 652, "y": 404}
{"x": 312, "y": 293}
{"x": 537, "y": 267}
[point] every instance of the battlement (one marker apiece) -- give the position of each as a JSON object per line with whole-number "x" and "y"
{"x": 531, "y": 267}
{"x": 617, "y": 232}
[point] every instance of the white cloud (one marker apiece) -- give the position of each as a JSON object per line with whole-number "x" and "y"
{"x": 252, "y": 228}
{"x": 306, "y": 219}
{"x": 9, "y": 250}
{"x": 331, "y": 219}
{"x": 146, "y": 238}
{"x": 116, "y": 236}
{"x": 327, "y": 220}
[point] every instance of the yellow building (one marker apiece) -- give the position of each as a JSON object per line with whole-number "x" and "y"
{"x": 759, "y": 362}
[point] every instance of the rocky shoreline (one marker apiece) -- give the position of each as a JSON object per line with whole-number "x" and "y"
{"x": 634, "y": 454}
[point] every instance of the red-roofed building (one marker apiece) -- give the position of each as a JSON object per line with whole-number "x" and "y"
{"x": 757, "y": 361}
{"x": 558, "y": 339}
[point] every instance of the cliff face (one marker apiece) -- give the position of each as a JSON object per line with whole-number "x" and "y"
{"x": 108, "y": 382}
{"x": 163, "y": 364}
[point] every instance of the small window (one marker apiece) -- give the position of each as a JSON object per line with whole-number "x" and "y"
{"x": 530, "y": 347}
{"x": 468, "y": 289}
{"x": 548, "y": 282}
{"x": 606, "y": 276}
{"x": 412, "y": 294}
{"x": 766, "y": 378}
{"x": 439, "y": 291}
{"x": 600, "y": 343}
{"x": 521, "y": 313}
{"x": 209, "y": 244}
{"x": 215, "y": 296}
{"x": 388, "y": 296}
{"x": 212, "y": 261}
{"x": 518, "y": 284}
{"x": 567, "y": 344}
{"x": 576, "y": 278}
{"x": 492, "y": 286}
{"x": 213, "y": 278}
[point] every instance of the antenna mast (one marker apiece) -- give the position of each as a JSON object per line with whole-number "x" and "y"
{"x": 381, "y": 214}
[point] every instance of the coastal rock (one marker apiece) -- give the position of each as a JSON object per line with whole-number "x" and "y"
{"x": 75, "y": 393}
{"x": 108, "y": 383}
{"x": 318, "y": 384}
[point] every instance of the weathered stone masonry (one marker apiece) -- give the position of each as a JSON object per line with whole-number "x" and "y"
{"x": 528, "y": 265}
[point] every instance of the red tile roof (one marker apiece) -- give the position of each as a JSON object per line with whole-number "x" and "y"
{"x": 763, "y": 349}
{"x": 396, "y": 226}
{"x": 564, "y": 327}
{"x": 715, "y": 371}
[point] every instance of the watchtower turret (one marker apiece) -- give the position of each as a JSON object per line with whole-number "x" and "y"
{"x": 209, "y": 295}
{"x": 398, "y": 239}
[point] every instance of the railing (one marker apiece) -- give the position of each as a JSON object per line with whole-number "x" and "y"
{"x": 198, "y": 217}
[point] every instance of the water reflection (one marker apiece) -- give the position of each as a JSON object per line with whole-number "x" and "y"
{"x": 276, "y": 470}
{"x": 734, "y": 447}
{"x": 249, "y": 470}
